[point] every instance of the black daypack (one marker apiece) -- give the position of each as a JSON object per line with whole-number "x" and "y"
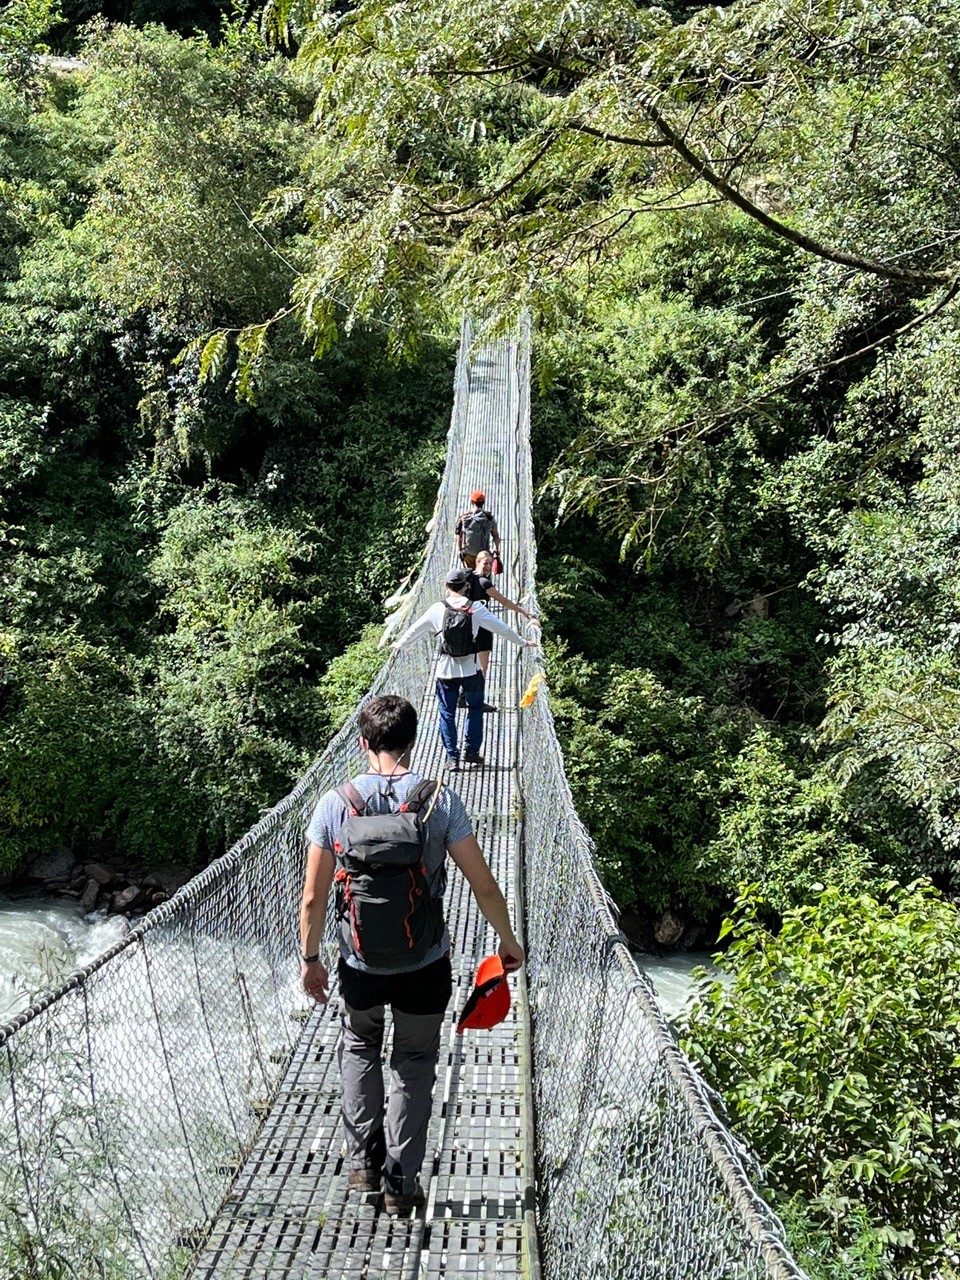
{"x": 388, "y": 916}
{"x": 456, "y": 638}
{"x": 475, "y": 532}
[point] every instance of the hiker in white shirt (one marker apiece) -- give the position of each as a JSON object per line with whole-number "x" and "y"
{"x": 457, "y": 620}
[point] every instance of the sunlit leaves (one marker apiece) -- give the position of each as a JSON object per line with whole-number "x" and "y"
{"x": 837, "y": 1047}
{"x": 200, "y": 136}
{"x": 504, "y": 196}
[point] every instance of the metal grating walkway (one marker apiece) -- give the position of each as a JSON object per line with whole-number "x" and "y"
{"x": 287, "y": 1215}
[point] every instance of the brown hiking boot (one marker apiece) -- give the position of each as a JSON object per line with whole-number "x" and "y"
{"x": 401, "y": 1206}
{"x": 363, "y": 1180}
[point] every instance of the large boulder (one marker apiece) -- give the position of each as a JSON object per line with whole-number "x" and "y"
{"x": 127, "y": 899}
{"x": 97, "y": 871}
{"x": 669, "y": 929}
{"x": 57, "y": 864}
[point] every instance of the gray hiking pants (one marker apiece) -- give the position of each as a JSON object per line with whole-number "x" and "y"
{"x": 397, "y": 1140}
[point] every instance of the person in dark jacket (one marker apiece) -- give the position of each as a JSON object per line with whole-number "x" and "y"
{"x": 475, "y": 529}
{"x": 480, "y": 587}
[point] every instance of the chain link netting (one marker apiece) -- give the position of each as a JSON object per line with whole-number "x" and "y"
{"x": 129, "y": 1095}
{"x": 636, "y": 1175}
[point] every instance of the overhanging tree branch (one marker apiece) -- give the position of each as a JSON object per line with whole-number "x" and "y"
{"x": 615, "y": 486}
{"x": 778, "y": 228}
{"x": 616, "y": 137}
{"x": 502, "y": 190}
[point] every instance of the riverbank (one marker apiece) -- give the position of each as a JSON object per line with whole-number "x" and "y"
{"x": 105, "y": 885}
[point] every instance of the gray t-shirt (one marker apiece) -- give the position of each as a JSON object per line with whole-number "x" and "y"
{"x": 448, "y": 823}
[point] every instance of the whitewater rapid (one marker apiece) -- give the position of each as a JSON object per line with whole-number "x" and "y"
{"x": 42, "y": 941}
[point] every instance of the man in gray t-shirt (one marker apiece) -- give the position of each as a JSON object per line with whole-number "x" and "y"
{"x": 391, "y": 1146}
{"x": 448, "y": 825}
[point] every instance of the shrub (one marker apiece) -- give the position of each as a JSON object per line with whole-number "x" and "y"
{"x": 644, "y": 765}
{"x": 792, "y": 828}
{"x": 348, "y": 677}
{"x": 836, "y": 1045}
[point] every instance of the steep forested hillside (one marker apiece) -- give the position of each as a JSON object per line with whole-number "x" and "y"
{"x": 180, "y": 562}
{"x": 232, "y": 265}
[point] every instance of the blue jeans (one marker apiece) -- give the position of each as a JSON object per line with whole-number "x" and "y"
{"x": 448, "y": 691}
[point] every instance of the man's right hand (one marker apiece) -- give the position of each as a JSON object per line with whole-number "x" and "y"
{"x": 315, "y": 980}
{"x": 511, "y": 953}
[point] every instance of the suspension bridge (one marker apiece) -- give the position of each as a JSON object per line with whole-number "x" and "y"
{"x": 172, "y": 1110}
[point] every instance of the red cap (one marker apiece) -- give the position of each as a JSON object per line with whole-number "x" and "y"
{"x": 489, "y": 1001}
{"x": 478, "y": 496}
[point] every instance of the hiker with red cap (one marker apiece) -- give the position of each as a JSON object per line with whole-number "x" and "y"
{"x": 475, "y": 529}
{"x": 457, "y": 621}
{"x": 382, "y": 840}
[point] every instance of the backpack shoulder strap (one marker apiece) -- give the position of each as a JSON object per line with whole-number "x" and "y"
{"x": 427, "y": 790}
{"x": 354, "y": 800}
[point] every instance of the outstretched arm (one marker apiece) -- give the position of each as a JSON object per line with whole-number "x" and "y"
{"x": 484, "y": 618}
{"x": 494, "y": 594}
{"x": 424, "y": 625}
{"x": 313, "y": 914}
{"x": 468, "y": 856}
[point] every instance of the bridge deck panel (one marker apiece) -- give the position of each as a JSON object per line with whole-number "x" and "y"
{"x": 288, "y": 1216}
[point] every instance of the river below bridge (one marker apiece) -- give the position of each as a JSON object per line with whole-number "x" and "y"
{"x": 43, "y": 940}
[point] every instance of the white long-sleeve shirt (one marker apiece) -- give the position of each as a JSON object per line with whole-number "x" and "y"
{"x": 449, "y": 668}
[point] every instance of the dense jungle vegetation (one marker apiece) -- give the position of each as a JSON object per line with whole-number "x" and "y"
{"x": 232, "y": 264}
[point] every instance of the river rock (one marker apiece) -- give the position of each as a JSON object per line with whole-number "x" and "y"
{"x": 169, "y": 879}
{"x": 635, "y": 928}
{"x": 97, "y": 871}
{"x": 669, "y": 930}
{"x": 694, "y": 935}
{"x": 90, "y": 894}
{"x": 58, "y": 864}
{"x": 127, "y": 898}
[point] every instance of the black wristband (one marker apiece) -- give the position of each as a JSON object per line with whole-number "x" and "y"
{"x": 309, "y": 959}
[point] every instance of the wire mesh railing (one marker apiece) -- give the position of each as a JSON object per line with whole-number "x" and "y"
{"x": 636, "y": 1174}
{"x": 128, "y": 1096}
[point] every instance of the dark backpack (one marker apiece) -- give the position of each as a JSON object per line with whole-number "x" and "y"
{"x": 388, "y": 916}
{"x": 457, "y": 638}
{"x": 475, "y": 532}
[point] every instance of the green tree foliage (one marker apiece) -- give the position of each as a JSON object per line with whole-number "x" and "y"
{"x": 208, "y": 133}
{"x": 177, "y": 566}
{"x": 349, "y": 676}
{"x": 642, "y": 765}
{"x": 836, "y": 1044}
{"x": 877, "y": 500}
{"x": 794, "y": 827}
{"x": 711, "y": 620}
{"x": 485, "y": 149}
